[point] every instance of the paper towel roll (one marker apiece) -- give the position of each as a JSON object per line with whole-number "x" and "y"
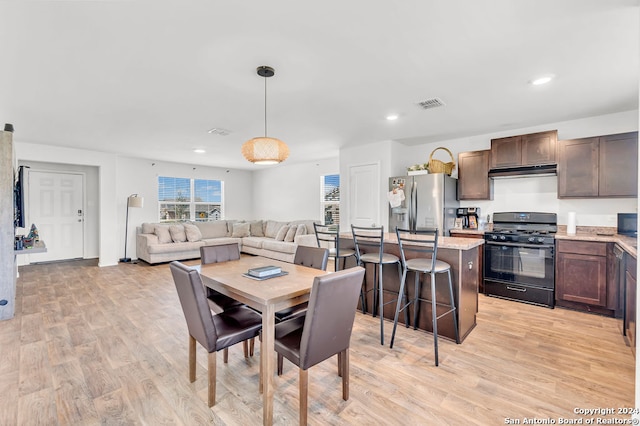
{"x": 571, "y": 223}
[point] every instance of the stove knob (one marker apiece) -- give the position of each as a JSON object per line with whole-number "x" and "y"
{"x": 531, "y": 239}
{"x": 494, "y": 237}
{"x": 503, "y": 238}
{"x": 540, "y": 240}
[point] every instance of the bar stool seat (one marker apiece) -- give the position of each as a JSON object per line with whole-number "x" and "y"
{"x": 372, "y": 241}
{"x": 424, "y": 244}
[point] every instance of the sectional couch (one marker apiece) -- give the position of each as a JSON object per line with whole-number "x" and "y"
{"x": 165, "y": 242}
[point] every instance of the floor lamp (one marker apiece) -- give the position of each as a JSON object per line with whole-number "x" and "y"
{"x": 132, "y": 201}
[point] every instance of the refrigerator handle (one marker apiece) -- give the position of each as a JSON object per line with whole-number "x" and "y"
{"x": 413, "y": 219}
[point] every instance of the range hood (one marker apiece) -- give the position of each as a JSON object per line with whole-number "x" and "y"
{"x": 524, "y": 171}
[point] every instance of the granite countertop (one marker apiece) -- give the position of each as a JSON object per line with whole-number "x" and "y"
{"x": 456, "y": 243}
{"x": 600, "y": 234}
{"x": 467, "y": 231}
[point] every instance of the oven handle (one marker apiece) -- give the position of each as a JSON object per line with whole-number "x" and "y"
{"x": 523, "y": 290}
{"x": 496, "y": 243}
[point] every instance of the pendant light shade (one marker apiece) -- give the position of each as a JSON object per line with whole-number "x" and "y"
{"x": 263, "y": 149}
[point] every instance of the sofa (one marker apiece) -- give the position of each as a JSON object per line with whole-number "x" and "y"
{"x": 168, "y": 241}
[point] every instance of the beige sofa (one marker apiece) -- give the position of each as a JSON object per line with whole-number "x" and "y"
{"x": 165, "y": 242}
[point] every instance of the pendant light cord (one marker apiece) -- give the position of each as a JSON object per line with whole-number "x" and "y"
{"x": 265, "y": 107}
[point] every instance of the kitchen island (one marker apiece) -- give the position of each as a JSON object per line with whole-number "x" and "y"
{"x": 462, "y": 254}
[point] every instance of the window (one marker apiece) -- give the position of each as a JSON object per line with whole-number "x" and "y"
{"x": 189, "y": 199}
{"x": 330, "y": 199}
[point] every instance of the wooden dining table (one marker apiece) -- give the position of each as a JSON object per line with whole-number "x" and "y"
{"x": 267, "y": 296}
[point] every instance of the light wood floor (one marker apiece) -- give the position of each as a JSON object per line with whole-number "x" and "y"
{"x": 93, "y": 345}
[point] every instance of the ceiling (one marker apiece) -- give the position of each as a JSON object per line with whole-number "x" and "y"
{"x": 149, "y": 78}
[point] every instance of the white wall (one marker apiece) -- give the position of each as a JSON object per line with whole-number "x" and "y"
{"x": 91, "y": 203}
{"x": 525, "y": 194}
{"x": 140, "y": 176}
{"x": 291, "y": 191}
{"x": 106, "y": 164}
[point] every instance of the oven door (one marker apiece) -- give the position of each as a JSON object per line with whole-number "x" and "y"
{"x": 530, "y": 264}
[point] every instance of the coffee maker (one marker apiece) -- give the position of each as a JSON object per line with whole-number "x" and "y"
{"x": 468, "y": 217}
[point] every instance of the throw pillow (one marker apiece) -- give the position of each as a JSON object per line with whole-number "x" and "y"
{"x": 300, "y": 230}
{"x": 214, "y": 229}
{"x": 272, "y": 228}
{"x": 162, "y": 231}
{"x": 240, "y": 229}
{"x": 193, "y": 232}
{"x": 291, "y": 233}
{"x": 282, "y": 232}
{"x": 256, "y": 229}
{"x": 177, "y": 233}
{"x": 148, "y": 228}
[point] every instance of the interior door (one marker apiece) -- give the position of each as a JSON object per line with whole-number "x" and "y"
{"x": 364, "y": 195}
{"x": 56, "y": 207}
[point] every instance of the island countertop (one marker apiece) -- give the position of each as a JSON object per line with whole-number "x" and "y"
{"x": 456, "y": 243}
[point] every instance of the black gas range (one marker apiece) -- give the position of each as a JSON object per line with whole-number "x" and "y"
{"x": 519, "y": 257}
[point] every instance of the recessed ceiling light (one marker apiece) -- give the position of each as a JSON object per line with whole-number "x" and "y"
{"x": 199, "y": 151}
{"x": 541, "y": 80}
{"x": 392, "y": 117}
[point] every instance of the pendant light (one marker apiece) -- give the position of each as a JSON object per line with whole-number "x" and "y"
{"x": 263, "y": 149}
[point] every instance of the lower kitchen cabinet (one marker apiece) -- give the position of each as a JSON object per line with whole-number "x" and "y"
{"x": 453, "y": 233}
{"x": 581, "y": 276}
{"x": 630, "y": 302}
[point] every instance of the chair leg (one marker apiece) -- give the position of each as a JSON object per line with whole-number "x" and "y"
{"x": 400, "y": 294}
{"x": 212, "y": 378}
{"x": 374, "y": 308}
{"x": 339, "y": 364}
{"x": 345, "y": 374}
{"x": 453, "y": 307}
{"x": 245, "y": 348}
{"x": 416, "y": 300}
{"x": 225, "y": 353}
{"x": 192, "y": 359}
{"x": 280, "y": 364}
{"x": 363, "y": 300}
{"x": 398, "y": 304}
{"x": 304, "y": 393}
{"x": 434, "y": 315}
{"x": 252, "y": 344}
{"x": 261, "y": 384}
{"x": 381, "y": 304}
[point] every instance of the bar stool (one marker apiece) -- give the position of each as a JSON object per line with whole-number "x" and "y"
{"x": 420, "y": 243}
{"x": 331, "y": 238}
{"x": 372, "y": 241}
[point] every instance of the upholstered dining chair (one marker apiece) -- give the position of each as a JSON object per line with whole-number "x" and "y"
{"x": 324, "y": 331}
{"x": 312, "y": 257}
{"x": 216, "y": 254}
{"x": 213, "y": 332}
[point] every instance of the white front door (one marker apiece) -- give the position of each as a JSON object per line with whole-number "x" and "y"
{"x": 364, "y": 195}
{"x": 56, "y": 207}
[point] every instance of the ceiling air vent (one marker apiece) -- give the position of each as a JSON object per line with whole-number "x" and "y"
{"x": 431, "y": 103}
{"x": 220, "y": 131}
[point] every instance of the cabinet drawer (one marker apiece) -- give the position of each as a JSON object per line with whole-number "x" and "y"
{"x": 582, "y": 247}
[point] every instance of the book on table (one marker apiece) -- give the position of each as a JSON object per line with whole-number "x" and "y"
{"x": 265, "y": 271}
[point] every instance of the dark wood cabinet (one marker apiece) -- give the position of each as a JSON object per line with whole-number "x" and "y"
{"x": 630, "y": 302}
{"x": 618, "y": 171}
{"x": 524, "y": 150}
{"x": 581, "y": 276}
{"x": 604, "y": 166}
{"x": 453, "y": 233}
{"x": 473, "y": 176}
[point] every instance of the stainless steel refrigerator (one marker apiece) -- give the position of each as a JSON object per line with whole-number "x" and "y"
{"x": 426, "y": 201}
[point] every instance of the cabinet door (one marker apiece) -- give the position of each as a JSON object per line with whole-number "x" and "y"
{"x": 630, "y": 302}
{"x": 578, "y": 168}
{"x": 539, "y": 148}
{"x": 473, "y": 176}
{"x": 506, "y": 152}
{"x": 618, "y": 171}
{"x": 581, "y": 278}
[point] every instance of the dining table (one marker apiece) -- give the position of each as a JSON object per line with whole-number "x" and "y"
{"x": 267, "y": 296}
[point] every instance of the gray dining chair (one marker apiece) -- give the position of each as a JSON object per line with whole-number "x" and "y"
{"x": 324, "y": 331}
{"x": 213, "y": 332}
{"x": 216, "y": 254}
{"x": 312, "y": 257}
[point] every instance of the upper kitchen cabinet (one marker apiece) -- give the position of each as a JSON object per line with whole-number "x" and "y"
{"x": 473, "y": 176}
{"x": 525, "y": 150}
{"x": 603, "y": 166}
